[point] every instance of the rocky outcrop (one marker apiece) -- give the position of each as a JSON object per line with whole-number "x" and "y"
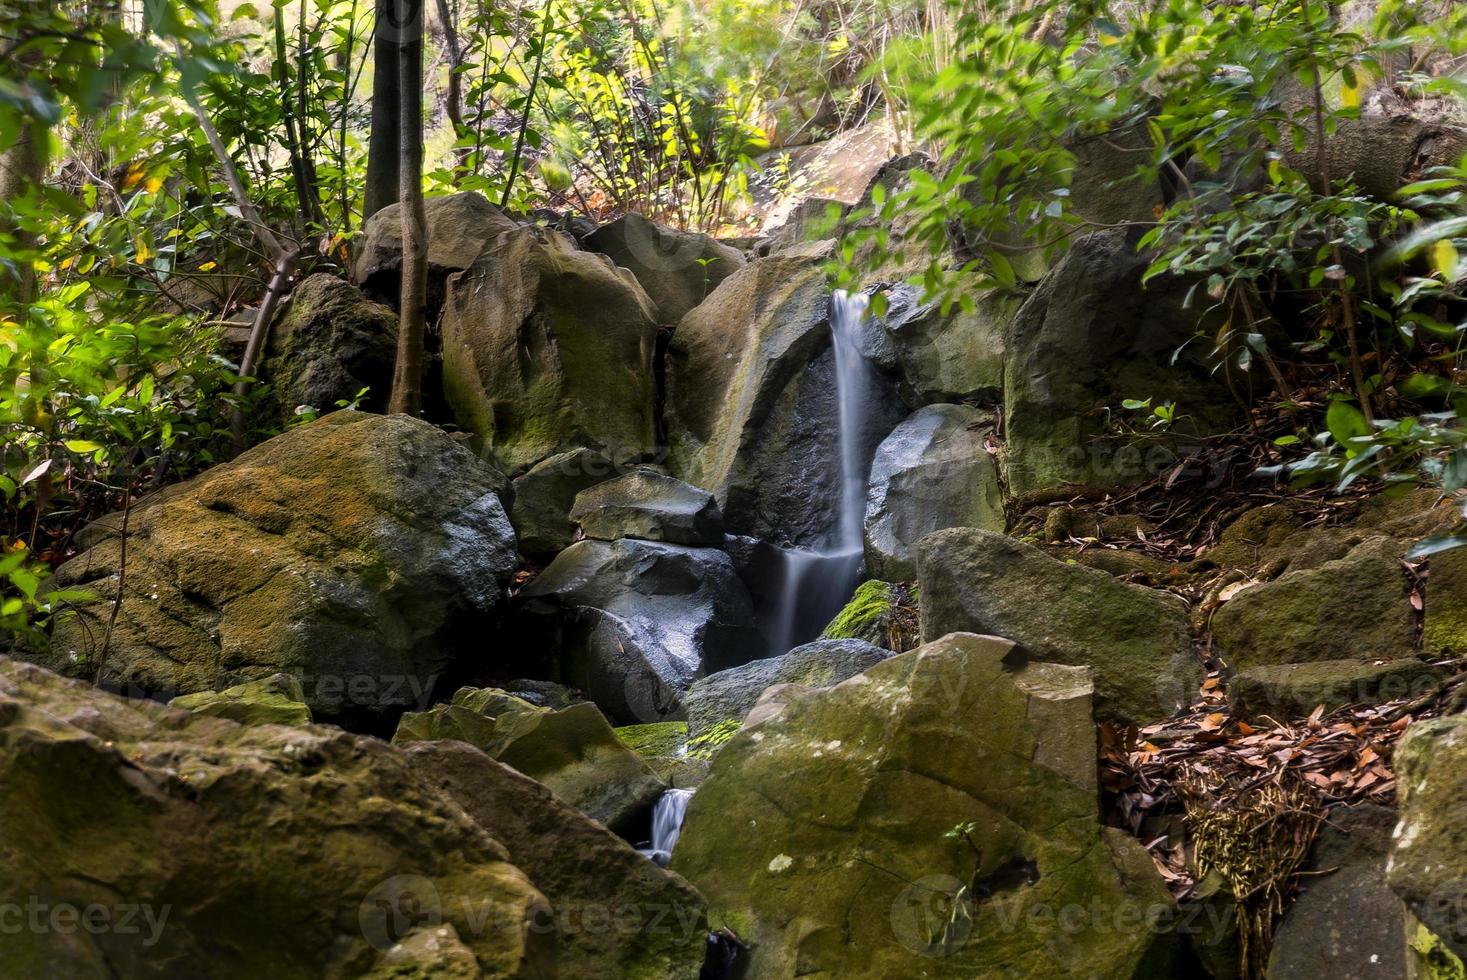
{"x": 1426, "y": 868}
{"x": 728, "y": 695}
{"x": 649, "y": 506}
{"x": 932, "y": 472}
{"x": 616, "y": 913}
{"x": 544, "y": 496}
{"x": 1352, "y": 608}
{"x": 355, "y": 553}
{"x": 283, "y": 851}
{"x": 1344, "y": 923}
{"x": 1284, "y": 691}
{"x": 1087, "y": 339}
{"x": 1135, "y": 639}
{"x": 634, "y": 622}
{"x": 572, "y": 750}
{"x": 752, "y": 402}
{"x": 275, "y": 700}
{"x": 547, "y": 349}
{"x": 330, "y": 344}
{"x": 952, "y": 357}
{"x": 945, "y": 800}
{"x": 678, "y": 269}
{"x": 459, "y": 226}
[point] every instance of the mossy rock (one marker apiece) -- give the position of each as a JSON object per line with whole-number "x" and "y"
{"x": 876, "y": 612}
{"x": 1431, "y": 959}
{"x": 1445, "y": 629}
{"x": 1289, "y": 691}
{"x": 275, "y": 700}
{"x": 663, "y": 739}
{"x": 1428, "y": 865}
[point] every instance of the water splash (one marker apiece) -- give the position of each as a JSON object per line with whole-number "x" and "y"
{"x": 667, "y": 825}
{"x": 818, "y": 582}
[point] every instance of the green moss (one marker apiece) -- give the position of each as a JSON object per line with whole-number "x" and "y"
{"x": 659, "y": 740}
{"x": 1433, "y": 960}
{"x": 705, "y": 746}
{"x": 863, "y": 614}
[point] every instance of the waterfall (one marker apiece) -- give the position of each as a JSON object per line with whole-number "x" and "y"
{"x": 667, "y": 825}
{"x": 818, "y": 582}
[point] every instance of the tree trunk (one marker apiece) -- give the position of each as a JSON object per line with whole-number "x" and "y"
{"x": 22, "y": 172}
{"x": 455, "y": 95}
{"x": 383, "y": 145}
{"x": 407, "y": 381}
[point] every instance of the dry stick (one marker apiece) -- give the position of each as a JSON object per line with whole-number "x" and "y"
{"x": 121, "y": 585}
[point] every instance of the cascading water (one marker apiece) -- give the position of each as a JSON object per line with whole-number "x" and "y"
{"x": 667, "y": 825}
{"x": 818, "y": 582}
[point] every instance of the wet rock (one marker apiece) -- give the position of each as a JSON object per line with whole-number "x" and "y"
{"x": 290, "y": 847}
{"x": 547, "y": 349}
{"x": 678, "y": 269}
{"x": 837, "y": 806}
{"x": 1135, "y": 639}
{"x": 1352, "y": 608}
{"x": 571, "y": 750}
{"x": 359, "y": 553}
{"x": 729, "y": 694}
{"x": 329, "y": 345}
{"x": 953, "y": 357}
{"x": 634, "y": 622}
{"x": 649, "y": 506}
{"x": 932, "y": 472}
{"x": 544, "y": 496}
{"x": 276, "y": 700}
{"x": 1285, "y": 691}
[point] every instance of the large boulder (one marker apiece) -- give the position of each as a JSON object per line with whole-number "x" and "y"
{"x": 360, "y": 553}
{"x": 751, "y": 405}
{"x": 934, "y": 816}
{"x": 932, "y": 472}
{"x": 728, "y": 695}
{"x": 201, "y": 845}
{"x": 547, "y": 348}
{"x": 571, "y": 750}
{"x": 956, "y": 356}
{"x": 329, "y": 345}
{"x": 1345, "y": 923}
{"x": 1087, "y": 339}
{"x": 650, "y": 506}
{"x": 544, "y": 496}
{"x": 1135, "y": 639}
{"x": 618, "y": 914}
{"x": 678, "y": 269}
{"x": 633, "y": 623}
{"x": 1428, "y": 864}
{"x": 459, "y": 226}
{"x": 1351, "y": 608}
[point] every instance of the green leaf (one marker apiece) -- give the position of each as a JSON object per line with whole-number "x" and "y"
{"x": 83, "y": 446}
{"x": 1345, "y": 422}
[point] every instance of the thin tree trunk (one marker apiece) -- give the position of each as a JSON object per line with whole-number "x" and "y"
{"x": 455, "y": 94}
{"x": 383, "y": 152}
{"x": 22, "y": 172}
{"x": 407, "y": 381}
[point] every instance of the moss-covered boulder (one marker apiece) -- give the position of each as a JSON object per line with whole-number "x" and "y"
{"x": 618, "y": 914}
{"x": 880, "y": 613}
{"x": 729, "y": 694}
{"x": 751, "y": 402}
{"x": 1355, "y": 607}
{"x": 936, "y": 815}
{"x": 1428, "y": 863}
{"x": 329, "y": 345}
{"x": 544, "y": 496}
{"x": 360, "y": 553}
{"x": 1445, "y": 628}
{"x": 275, "y": 700}
{"x": 658, "y": 740}
{"x": 932, "y": 472}
{"x": 1087, "y": 339}
{"x": 1135, "y": 639}
{"x": 678, "y": 269}
{"x": 1285, "y": 691}
{"x": 261, "y": 850}
{"x": 547, "y": 348}
{"x": 571, "y": 750}
{"x": 650, "y": 506}
{"x": 632, "y": 623}
{"x": 956, "y": 356}
{"x": 458, "y": 225}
